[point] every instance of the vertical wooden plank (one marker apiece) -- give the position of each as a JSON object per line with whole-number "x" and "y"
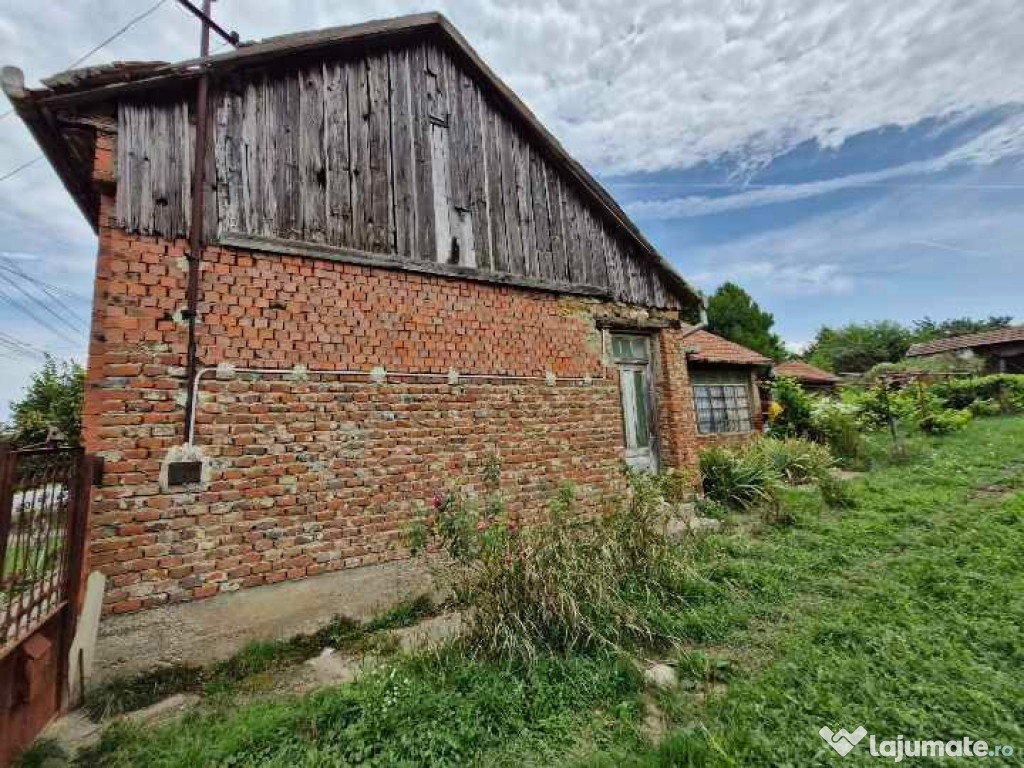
{"x": 286, "y": 180}
{"x": 596, "y": 263}
{"x": 403, "y": 154}
{"x": 482, "y": 235}
{"x": 312, "y": 199}
{"x": 441, "y": 179}
{"x": 510, "y": 194}
{"x": 122, "y": 199}
{"x": 252, "y": 157}
{"x": 337, "y": 168}
{"x": 495, "y": 197}
{"x": 270, "y": 159}
{"x": 471, "y": 199}
{"x": 539, "y": 198}
{"x": 574, "y": 209}
{"x": 359, "y": 147}
{"x": 462, "y": 248}
{"x": 159, "y": 171}
{"x": 227, "y": 141}
{"x": 424, "y": 245}
{"x": 457, "y": 116}
{"x": 440, "y": 108}
{"x": 380, "y": 223}
{"x": 607, "y": 243}
{"x": 525, "y": 204}
{"x": 180, "y": 169}
{"x": 557, "y": 224}
{"x": 145, "y": 171}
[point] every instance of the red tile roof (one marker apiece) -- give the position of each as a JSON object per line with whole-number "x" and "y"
{"x": 801, "y": 371}
{"x": 715, "y": 349}
{"x": 984, "y": 339}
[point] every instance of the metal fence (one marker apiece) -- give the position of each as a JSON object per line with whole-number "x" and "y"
{"x": 43, "y": 504}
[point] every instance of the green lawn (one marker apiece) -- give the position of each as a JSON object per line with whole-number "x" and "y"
{"x": 904, "y": 614}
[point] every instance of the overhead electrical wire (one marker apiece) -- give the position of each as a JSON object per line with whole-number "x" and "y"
{"x": 39, "y": 303}
{"x": 10, "y": 300}
{"x": 52, "y": 291}
{"x": 22, "y": 167}
{"x": 152, "y": 9}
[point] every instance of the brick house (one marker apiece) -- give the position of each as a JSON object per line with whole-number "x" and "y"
{"x": 381, "y": 273}
{"x": 1001, "y": 350}
{"x": 811, "y": 378}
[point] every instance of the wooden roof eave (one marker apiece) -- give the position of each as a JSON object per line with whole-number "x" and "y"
{"x": 40, "y": 124}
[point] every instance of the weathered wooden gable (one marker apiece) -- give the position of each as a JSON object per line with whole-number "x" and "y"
{"x": 397, "y": 153}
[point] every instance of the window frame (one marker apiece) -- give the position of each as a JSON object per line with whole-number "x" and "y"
{"x": 722, "y": 415}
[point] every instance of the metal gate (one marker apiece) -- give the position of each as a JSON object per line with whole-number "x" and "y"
{"x": 44, "y": 503}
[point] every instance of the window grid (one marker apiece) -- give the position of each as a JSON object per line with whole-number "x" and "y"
{"x": 722, "y": 408}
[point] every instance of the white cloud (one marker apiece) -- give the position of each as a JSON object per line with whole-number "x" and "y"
{"x": 647, "y": 85}
{"x": 1006, "y": 139}
{"x": 781, "y": 279}
{"x": 904, "y": 237}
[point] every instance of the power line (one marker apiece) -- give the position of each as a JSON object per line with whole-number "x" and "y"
{"x": 42, "y": 304}
{"x": 119, "y": 32}
{"x": 21, "y": 168}
{"x": 20, "y": 349}
{"x": 53, "y": 292}
{"x": 10, "y": 300}
{"x": 152, "y": 9}
{"x": 6, "y": 338}
{"x": 13, "y": 267}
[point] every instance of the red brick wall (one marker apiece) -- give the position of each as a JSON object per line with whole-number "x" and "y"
{"x": 676, "y": 414}
{"x": 308, "y": 476}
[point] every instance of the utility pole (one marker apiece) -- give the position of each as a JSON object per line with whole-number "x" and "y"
{"x": 198, "y": 207}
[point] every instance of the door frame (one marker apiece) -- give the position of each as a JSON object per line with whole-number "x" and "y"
{"x": 648, "y": 367}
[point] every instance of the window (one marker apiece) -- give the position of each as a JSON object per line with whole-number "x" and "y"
{"x": 722, "y": 408}
{"x": 626, "y": 348}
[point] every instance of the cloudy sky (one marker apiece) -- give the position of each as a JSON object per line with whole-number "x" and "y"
{"x": 842, "y": 160}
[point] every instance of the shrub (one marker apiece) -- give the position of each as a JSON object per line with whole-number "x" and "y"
{"x": 569, "y": 584}
{"x": 735, "y": 479}
{"x": 792, "y": 460}
{"x": 871, "y": 407}
{"x": 930, "y": 414}
{"x": 947, "y": 363}
{"x": 944, "y": 421}
{"x": 794, "y": 418}
{"x": 835, "y": 424}
{"x": 985, "y": 407}
{"x": 1006, "y": 389}
{"x": 836, "y": 492}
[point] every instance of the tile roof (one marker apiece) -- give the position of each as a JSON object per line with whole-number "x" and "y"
{"x": 983, "y": 339}
{"x": 715, "y": 349}
{"x": 801, "y": 371}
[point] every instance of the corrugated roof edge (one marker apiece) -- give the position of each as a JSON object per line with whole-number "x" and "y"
{"x": 42, "y": 100}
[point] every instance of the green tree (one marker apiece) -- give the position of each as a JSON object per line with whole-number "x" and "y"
{"x": 928, "y": 329}
{"x": 52, "y": 399}
{"x": 734, "y": 315}
{"x": 859, "y": 346}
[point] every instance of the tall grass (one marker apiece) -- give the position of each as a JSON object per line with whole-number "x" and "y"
{"x": 569, "y": 584}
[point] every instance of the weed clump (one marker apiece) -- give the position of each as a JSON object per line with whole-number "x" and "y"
{"x": 570, "y": 583}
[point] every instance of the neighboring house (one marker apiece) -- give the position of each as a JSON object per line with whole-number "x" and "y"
{"x": 1002, "y": 349}
{"x": 812, "y": 379}
{"x": 725, "y": 378}
{"x": 390, "y": 275}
